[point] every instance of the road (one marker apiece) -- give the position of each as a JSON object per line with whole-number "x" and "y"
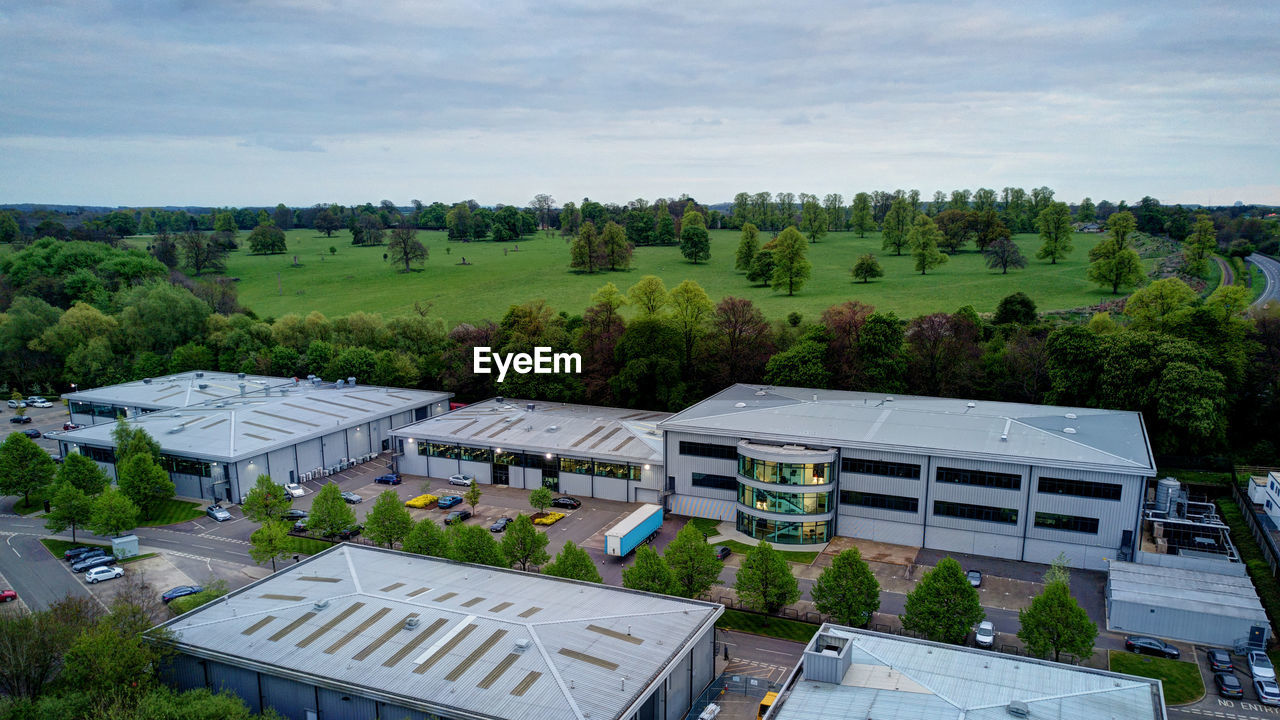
{"x": 1271, "y": 270}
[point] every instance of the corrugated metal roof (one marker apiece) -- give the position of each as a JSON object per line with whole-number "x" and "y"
{"x": 591, "y": 651}
{"x": 1192, "y": 590}
{"x": 586, "y": 431}
{"x": 1104, "y": 440}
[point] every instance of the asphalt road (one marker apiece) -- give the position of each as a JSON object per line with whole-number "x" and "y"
{"x": 1271, "y": 270}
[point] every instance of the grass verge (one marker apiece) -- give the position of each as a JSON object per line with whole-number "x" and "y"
{"x": 136, "y": 558}
{"x": 804, "y": 558}
{"x": 173, "y": 511}
{"x": 1181, "y": 679}
{"x": 776, "y": 627}
{"x": 706, "y": 526}
{"x": 1197, "y": 477}
{"x": 58, "y": 547}
{"x": 306, "y": 545}
{"x": 24, "y": 507}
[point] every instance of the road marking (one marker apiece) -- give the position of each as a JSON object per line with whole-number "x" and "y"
{"x": 9, "y": 542}
{"x": 773, "y": 652}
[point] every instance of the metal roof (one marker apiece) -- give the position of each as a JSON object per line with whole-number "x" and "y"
{"x": 485, "y": 642}
{"x": 266, "y": 417}
{"x": 1080, "y": 438}
{"x": 1191, "y": 590}
{"x": 896, "y": 678}
{"x": 175, "y": 391}
{"x": 586, "y": 431}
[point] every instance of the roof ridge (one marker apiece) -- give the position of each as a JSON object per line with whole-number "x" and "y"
{"x": 1130, "y": 685}
{"x": 555, "y": 674}
{"x": 913, "y": 679}
{"x": 1074, "y": 442}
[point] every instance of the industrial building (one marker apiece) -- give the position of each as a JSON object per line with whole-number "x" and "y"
{"x": 847, "y": 673}
{"x": 218, "y": 432}
{"x": 1026, "y": 482}
{"x": 1192, "y": 605}
{"x": 358, "y": 633}
{"x": 585, "y": 450}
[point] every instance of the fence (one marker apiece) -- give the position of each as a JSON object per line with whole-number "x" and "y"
{"x": 1260, "y": 534}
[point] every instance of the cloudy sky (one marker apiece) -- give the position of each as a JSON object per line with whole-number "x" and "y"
{"x": 141, "y": 102}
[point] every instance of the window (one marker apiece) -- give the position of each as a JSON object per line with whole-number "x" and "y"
{"x": 710, "y": 450}
{"x": 980, "y": 478}
{"x": 507, "y": 458}
{"x": 719, "y": 482}
{"x": 476, "y": 454}
{"x": 882, "y": 502}
{"x": 614, "y": 470}
{"x": 880, "y": 467}
{"x": 104, "y": 455}
{"x": 1080, "y": 488}
{"x": 440, "y": 450}
{"x": 782, "y": 473}
{"x": 185, "y": 466}
{"x": 575, "y": 465}
{"x": 783, "y": 532}
{"x": 1073, "y": 523}
{"x": 780, "y": 501}
{"x": 946, "y": 508}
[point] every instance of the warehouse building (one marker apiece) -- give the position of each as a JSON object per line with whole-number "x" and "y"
{"x": 361, "y": 633}
{"x": 105, "y": 404}
{"x": 1191, "y": 605}
{"x": 847, "y": 673}
{"x": 602, "y": 452}
{"x": 798, "y": 466}
{"x": 216, "y": 438}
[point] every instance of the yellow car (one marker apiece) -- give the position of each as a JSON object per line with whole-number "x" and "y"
{"x": 421, "y": 501}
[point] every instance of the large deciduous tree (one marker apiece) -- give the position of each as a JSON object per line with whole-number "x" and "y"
{"x": 847, "y": 590}
{"x": 617, "y": 249}
{"x": 943, "y": 606}
{"x": 1199, "y": 247}
{"x": 474, "y": 544}
{"x": 748, "y": 246}
{"x": 26, "y": 469}
{"x": 270, "y": 543}
{"x": 861, "y": 219}
{"x": 1054, "y": 223}
{"x": 113, "y": 514}
{"x": 813, "y": 220}
{"x": 791, "y": 267}
{"x": 71, "y": 508}
{"x": 867, "y": 268}
{"x": 693, "y": 563}
{"x": 1112, "y": 261}
{"x": 649, "y": 296}
{"x": 695, "y": 242}
{"x": 201, "y": 253}
{"x": 923, "y": 239}
{"x": 404, "y": 248}
{"x": 1055, "y": 623}
{"x": 427, "y": 538}
{"x": 648, "y": 573}
{"x": 897, "y": 225}
{"x": 1004, "y": 254}
{"x": 330, "y": 514}
{"x": 144, "y": 482}
{"x": 266, "y": 500}
{"x": 574, "y": 563}
{"x": 587, "y": 252}
{"x": 267, "y": 239}
{"x": 523, "y": 544}
{"x": 388, "y": 522}
{"x": 764, "y": 582}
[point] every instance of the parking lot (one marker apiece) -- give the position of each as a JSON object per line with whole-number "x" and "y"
{"x": 1214, "y": 706}
{"x": 46, "y": 420}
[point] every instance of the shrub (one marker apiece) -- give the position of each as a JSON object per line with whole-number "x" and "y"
{"x": 421, "y": 501}
{"x": 550, "y": 518}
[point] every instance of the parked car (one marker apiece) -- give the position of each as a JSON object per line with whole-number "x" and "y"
{"x": 1228, "y": 685}
{"x": 294, "y": 489}
{"x": 217, "y": 512}
{"x": 180, "y": 591}
{"x": 564, "y": 501}
{"x": 1220, "y": 661}
{"x": 457, "y": 516}
{"x": 36, "y": 399}
{"x": 349, "y": 533}
{"x": 41, "y": 404}
{"x": 80, "y": 553}
{"x": 71, "y": 426}
{"x": 8, "y": 596}
{"x": 975, "y": 578}
{"x": 99, "y": 574}
{"x": 463, "y": 480}
{"x": 985, "y": 635}
{"x": 90, "y": 563}
{"x": 447, "y": 501}
{"x": 1151, "y": 646}
{"x": 31, "y": 433}
{"x": 1260, "y": 666}
{"x": 388, "y": 479}
{"x": 351, "y": 497}
{"x": 500, "y": 524}
{"x": 17, "y": 403}
{"x": 722, "y": 552}
{"x": 300, "y": 526}
{"x": 295, "y": 514}
{"x": 20, "y": 419}
{"x": 1268, "y": 691}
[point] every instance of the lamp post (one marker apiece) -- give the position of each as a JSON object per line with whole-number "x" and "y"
{"x": 69, "y": 417}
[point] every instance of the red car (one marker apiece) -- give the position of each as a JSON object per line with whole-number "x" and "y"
{"x": 8, "y": 595}
{"x": 70, "y": 426}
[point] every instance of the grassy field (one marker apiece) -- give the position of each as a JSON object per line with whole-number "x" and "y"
{"x": 775, "y": 627}
{"x": 357, "y": 278}
{"x": 174, "y": 511}
{"x": 1182, "y": 683}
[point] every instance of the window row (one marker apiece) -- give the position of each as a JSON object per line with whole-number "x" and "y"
{"x": 784, "y": 502}
{"x": 880, "y": 467}
{"x": 1073, "y": 523}
{"x": 1080, "y": 488}
{"x": 882, "y": 502}
{"x": 781, "y": 532}
{"x": 718, "y": 482}
{"x": 783, "y": 473}
{"x": 185, "y": 466}
{"x": 710, "y": 450}
{"x": 111, "y": 412}
{"x": 980, "y": 478}
{"x": 964, "y": 511}
{"x": 531, "y": 460}
{"x": 102, "y": 455}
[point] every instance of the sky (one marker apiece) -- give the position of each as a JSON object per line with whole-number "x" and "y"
{"x": 149, "y": 103}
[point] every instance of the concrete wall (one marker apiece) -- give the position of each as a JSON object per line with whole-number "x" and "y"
{"x": 1177, "y": 624}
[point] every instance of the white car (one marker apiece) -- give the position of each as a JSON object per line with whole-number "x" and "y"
{"x": 294, "y": 489}
{"x": 104, "y": 573}
{"x": 1260, "y": 666}
{"x": 463, "y": 480}
{"x": 17, "y": 403}
{"x": 42, "y": 404}
{"x": 985, "y": 635}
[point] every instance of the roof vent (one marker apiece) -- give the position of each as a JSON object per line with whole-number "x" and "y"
{"x": 1071, "y": 416}
{"x": 146, "y": 381}
{"x": 199, "y": 374}
{"x": 410, "y": 623}
{"x": 523, "y": 644}
{"x": 338, "y": 383}
{"x": 242, "y": 388}
{"x": 889, "y": 399}
{"x": 203, "y": 386}
{"x": 529, "y": 407}
{"x": 971, "y": 404}
{"x": 739, "y": 405}
{"x": 240, "y": 375}
{"x": 320, "y": 605}
{"x": 351, "y": 381}
{"x": 1069, "y": 431}
{"x": 1017, "y": 708}
{"x": 761, "y": 393}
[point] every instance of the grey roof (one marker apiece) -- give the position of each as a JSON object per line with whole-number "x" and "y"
{"x": 269, "y": 417}
{"x": 1103, "y": 440}
{"x": 895, "y": 678}
{"x": 577, "y": 430}
{"x": 588, "y": 650}
{"x": 175, "y": 391}
{"x": 1191, "y": 590}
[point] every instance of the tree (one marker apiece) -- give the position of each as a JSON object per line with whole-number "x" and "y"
{"x": 1112, "y": 261}
{"x": 388, "y": 522}
{"x": 1016, "y": 309}
{"x": 761, "y": 272}
{"x": 923, "y": 239}
{"x": 867, "y": 268}
{"x": 1121, "y": 225}
{"x": 33, "y": 644}
{"x": 543, "y": 204}
{"x": 574, "y": 563}
{"x": 1056, "y": 623}
{"x": 617, "y": 250}
{"x": 665, "y": 234}
{"x": 587, "y": 252}
{"x": 330, "y": 514}
{"x": 366, "y": 230}
{"x": 460, "y": 223}
{"x": 71, "y": 508}
{"x": 113, "y": 514}
{"x": 9, "y": 230}
{"x": 427, "y": 538}
{"x": 200, "y": 252}
{"x": 790, "y": 266}
{"x": 404, "y": 247}
{"x": 988, "y": 228}
{"x": 1086, "y": 213}
{"x": 649, "y": 296}
{"x": 764, "y": 582}
{"x": 540, "y": 499}
{"x": 267, "y": 239}
{"x": 1054, "y": 223}
{"x": 847, "y": 590}
{"x": 801, "y": 365}
{"x": 269, "y": 542}
{"x": 748, "y": 246}
{"x": 862, "y": 220}
{"x": 814, "y": 220}
{"x": 693, "y": 563}
{"x": 474, "y": 544}
{"x": 1004, "y": 254}
{"x": 472, "y": 495}
{"x": 523, "y": 544}
{"x": 943, "y": 606}
{"x": 956, "y": 227}
{"x": 1160, "y": 306}
{"x": 266, "y": 501}
{"x": 897, "y": 225}
{"x": 327, "y": 222}
{"x": 695, "y": 242}
{"x": 142, "y": 480}
{"x": 1200, "y": 246}
{"x": 26, "y": 469}
{"x": 648, "y": 573}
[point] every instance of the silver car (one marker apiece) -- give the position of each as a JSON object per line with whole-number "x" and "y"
{"x": 985, "y": 635}
{"x": 1268, "y": 692}
{"x": 1260, "y": 666}
{"x": 463, "y": 480}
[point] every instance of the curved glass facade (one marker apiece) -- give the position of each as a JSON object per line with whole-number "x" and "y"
{"x": 782, "y": 532}
{"x": 780, "y": 501}
{"x": 783, "y": 473}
